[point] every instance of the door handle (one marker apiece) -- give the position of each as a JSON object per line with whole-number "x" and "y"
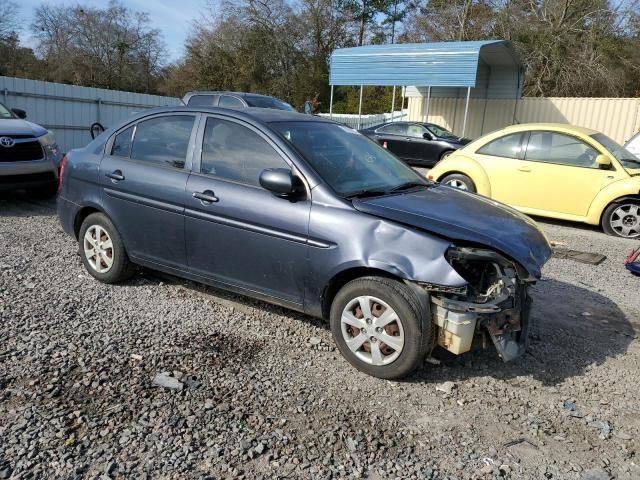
{"x": 116, "y": 176}
{"x": 206, "y": 198}
{"x": 524, "y": 169}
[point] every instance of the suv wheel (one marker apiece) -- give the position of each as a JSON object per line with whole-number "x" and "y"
{"x": 377, "y": 325}
{"x": 102, "y": 251}
{"x": 622, "y": 219}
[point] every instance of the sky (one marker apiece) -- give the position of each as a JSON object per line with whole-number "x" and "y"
{"x": 172, "y": 17}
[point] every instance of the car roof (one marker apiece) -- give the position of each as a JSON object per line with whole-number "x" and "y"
{"x": 557, "y": 127}
{"x": 224, "y": 92}
{"x": 262, "y": 115}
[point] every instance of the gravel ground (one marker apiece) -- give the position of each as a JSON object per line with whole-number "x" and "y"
{"x": 258, "y": 391}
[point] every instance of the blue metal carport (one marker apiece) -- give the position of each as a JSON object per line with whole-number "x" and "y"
{"x": 491, "y": 68}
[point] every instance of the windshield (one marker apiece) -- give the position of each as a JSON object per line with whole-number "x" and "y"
{"x": 5, "y": 112}
{"x": 268, "y": 102}
{"x": 624, "y": 156}
{"x": 438, "y": 131}
{"x": 348, "y": 161}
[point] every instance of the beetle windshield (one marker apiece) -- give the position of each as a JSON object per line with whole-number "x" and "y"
{"x": 5, "y": 112}
{"x": 624, "y": 156}
{"x": 348, "y": 161}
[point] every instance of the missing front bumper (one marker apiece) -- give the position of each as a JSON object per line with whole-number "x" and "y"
{"x": 507, "y": 324}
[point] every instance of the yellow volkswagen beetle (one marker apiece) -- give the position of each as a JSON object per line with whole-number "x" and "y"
{"x": 552, "y": 170}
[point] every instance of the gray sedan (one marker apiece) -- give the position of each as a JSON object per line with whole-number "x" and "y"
{"x": 311, "y": 215}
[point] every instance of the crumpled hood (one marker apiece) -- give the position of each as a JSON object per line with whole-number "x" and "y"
{"x": 464, "y": 216}
{"x": 14, "y": 126}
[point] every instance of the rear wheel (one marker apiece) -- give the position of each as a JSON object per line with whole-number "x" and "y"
{"x": 102, "y": 250}
{"x": 377, "y": 325}
{"x": 460, "y": 181}
{"x": 622, "y": 219}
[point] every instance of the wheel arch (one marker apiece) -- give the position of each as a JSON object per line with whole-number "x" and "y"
{"x": 464, "y": 166}
{"x": 343, "y": 277}
{"x": 635, "y": 198}
{"x": 80, "y": 216}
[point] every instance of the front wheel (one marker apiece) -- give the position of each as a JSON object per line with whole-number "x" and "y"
{"x": 460, "y": 181}
{"x": 622, "y": 219}
{"x": 377, "y": 325}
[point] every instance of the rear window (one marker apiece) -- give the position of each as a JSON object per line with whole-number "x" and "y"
{"x": 203, "y": 100}
{"x": 508, "y": 146}
{"x": 163, "y": 140}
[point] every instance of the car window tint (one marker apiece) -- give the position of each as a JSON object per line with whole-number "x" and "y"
{"x": 230, "y": 102}
{"x": 203, "y": 100}
{"x": 163, "y": 140}
{"x": 554, "y": 147}
{"x": 507, "y": 146}
{"x": 394, "y": 128}
{"x": 122, "y": 143}
{"x": 416, "y": 131}
{"x": 233, "y": 152}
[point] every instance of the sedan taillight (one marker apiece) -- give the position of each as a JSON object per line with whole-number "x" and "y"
{"x": 63, "y": 166}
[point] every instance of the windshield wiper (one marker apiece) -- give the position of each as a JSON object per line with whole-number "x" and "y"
{"x": 407, "y": 186}
{"x": 632, "y": 160}
{"x": 365, "y": 193}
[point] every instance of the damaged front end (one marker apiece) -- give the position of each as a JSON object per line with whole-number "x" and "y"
{"x": 494, "y": 301}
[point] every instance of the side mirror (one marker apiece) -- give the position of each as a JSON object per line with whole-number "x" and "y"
{"x": 280, "y": 181}
{"x": 603, "y": 161}
{"x": 19, "y": 113}
{"x": 427, "y": 136}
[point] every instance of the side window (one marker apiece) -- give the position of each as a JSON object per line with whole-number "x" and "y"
{"x": 203, "y": 100}
{"x": 507, "y": 146}
{"x": 394, "y": 129}
{"x": 233, "y": 152}
{"x": 416, "y": 131}
{"x": 163, "y": 140}
{"x": 122, "y": 143}
{"x": 553, "y": 147}
{"x": 230, "y": 102}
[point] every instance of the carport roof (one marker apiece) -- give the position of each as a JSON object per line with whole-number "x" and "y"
{"x": 442, "y": 64}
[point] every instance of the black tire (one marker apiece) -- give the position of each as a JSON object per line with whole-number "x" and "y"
{"x": 464, "y": 182}
{"x": 418, "y": 330}
{"x": 45, "y": 191}
{"x": 121, "y": 268}
{"x": 611, "y": 215}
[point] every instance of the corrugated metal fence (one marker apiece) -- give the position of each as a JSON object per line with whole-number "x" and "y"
{"x": 351, "y": 120}
{"x": 619, "y": 118}
{"x": 69, "y": 110}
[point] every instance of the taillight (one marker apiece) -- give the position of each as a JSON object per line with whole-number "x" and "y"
{"x": 63, "y": 166}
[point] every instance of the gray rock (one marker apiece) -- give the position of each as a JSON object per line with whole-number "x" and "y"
{"x": 165, "y": 381}
{"x": 596, "y": 474}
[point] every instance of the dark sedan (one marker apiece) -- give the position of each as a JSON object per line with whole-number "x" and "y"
{"x": 309, "y": 214}
{"x": 418, "y": 144}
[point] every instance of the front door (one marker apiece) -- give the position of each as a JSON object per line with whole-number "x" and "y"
{"x": 143, "y": 177}
{"x": 559, "y": 174}
{"x": 421, "y": 150}
{"x": 238, "y": 233}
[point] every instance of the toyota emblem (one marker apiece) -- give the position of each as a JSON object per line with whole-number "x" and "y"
{"x": 7, "y": 142}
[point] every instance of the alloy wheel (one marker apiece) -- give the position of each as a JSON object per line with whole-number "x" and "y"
{"x": 457, "y": 184}
{"x": 372, "y": 330}
{"x": 625, "y": 220}
{"x": 98, "y": 249}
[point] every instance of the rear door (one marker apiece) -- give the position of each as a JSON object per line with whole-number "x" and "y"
{"x": 237, "y": 233}
{"x": 144, "y": 176}
{"x": 396, "y": 138}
